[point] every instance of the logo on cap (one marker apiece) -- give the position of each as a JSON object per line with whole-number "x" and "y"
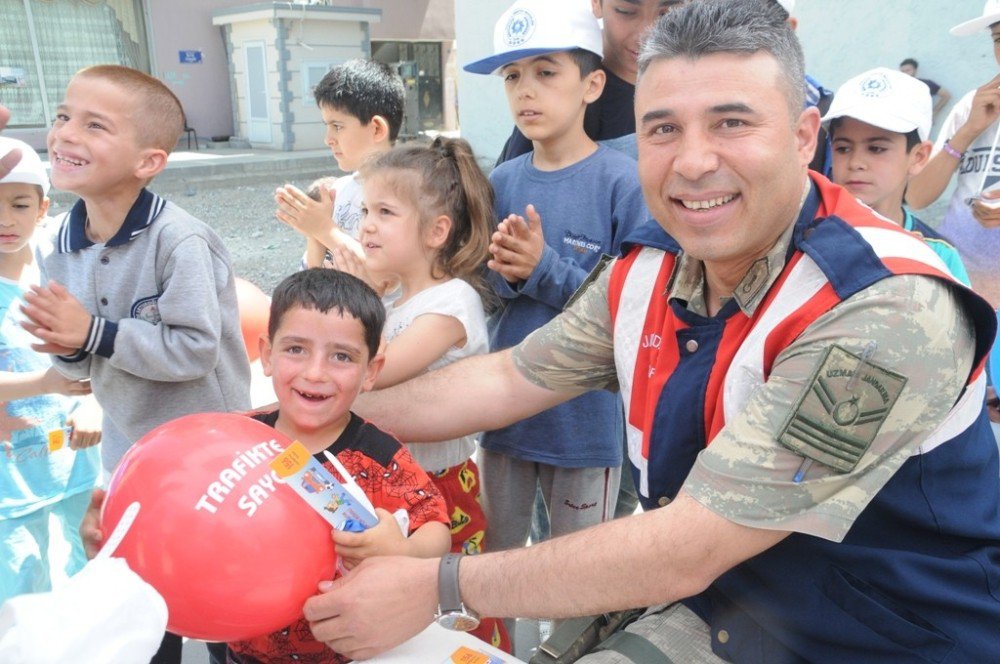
{"x": 875, "y": 86}
{"x": 520, "y": 26}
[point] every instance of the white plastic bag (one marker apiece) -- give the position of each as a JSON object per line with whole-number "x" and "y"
{"x": 103, "y": 614}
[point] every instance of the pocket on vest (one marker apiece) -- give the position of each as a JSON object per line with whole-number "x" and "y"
{"x": 989, "y": 561}
{"x": 885, "y": 616}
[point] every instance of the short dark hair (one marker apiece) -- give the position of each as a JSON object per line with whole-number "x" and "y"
{"x": 703, "y": 28}
{"x": 324, "y": 290}
{"x": 911, "y": 62}
{"x": 364, "y": 88}
{"x": 780, "y": 10}
{"x": 587, "y": 61}
{"x": 912, "y": 136}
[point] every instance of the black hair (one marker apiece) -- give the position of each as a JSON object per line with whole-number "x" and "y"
{"x": 910, "y": 61}
{"x": 912, "y": 136}
{"x": 706, "y": 27}
{"x": 364, "y": 88}
{"x": 780, "y": 12}
{"x": 324, "y": 290}
{"x": 586, "y": 60}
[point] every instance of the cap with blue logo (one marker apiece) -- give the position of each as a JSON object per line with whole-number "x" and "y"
{"x": 530, "y": 28}
{"x": 885, "y": 98}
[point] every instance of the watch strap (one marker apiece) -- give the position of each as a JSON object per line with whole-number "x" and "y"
{"x": 449, "y": 596}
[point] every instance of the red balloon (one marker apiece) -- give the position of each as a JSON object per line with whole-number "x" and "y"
{"x": 234, "y": 553}
{"x": 255, "y": 312}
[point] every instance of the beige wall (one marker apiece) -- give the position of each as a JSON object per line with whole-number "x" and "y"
{"x": 204, "y": 88}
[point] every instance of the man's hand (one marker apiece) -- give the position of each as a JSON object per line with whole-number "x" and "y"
{"x": 517, "y": 246}
{"x": 314, "y": 219}
{"x": 369, "y": 611}
{"x": 988, "y": 216}
{"x": 90, "y": 527}
{"x": 383, "y": 539}
{"x": 86, "y": 422}
{"x": 55, "y": 317}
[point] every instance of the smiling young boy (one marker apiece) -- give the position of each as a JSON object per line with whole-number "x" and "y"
{"x": 580, "y": 200}
{"x": 140, "y": 297}
{"x": 321, "y": 351}
{"x": 137, "y": 295}
{"x": 610, "y": 119}
{"x": 879, "y": 123}
{"x": 361, "y": 102}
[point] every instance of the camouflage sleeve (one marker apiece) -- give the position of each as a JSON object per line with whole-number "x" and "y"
{"x": 573, "y": 351}
{"x": 910, "y": 343}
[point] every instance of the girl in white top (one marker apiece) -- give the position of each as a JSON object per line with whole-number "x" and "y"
{"x": 427, "y": 221}
{"x": 427, "y": 217}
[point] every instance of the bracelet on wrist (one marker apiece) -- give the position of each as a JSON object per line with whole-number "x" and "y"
{"x": 951, "y": 151}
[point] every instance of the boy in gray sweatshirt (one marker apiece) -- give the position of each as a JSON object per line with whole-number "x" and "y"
{"x": 138, "y": 295}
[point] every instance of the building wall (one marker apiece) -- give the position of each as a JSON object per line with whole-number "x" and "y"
{"x": 840, "y": 38}
{"x": 204, "y": 88}
{"x": 886, "y": 32}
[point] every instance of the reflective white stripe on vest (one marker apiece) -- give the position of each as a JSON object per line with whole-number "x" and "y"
{"x": 629, "y": 324}
{"x": 746, "y": 373}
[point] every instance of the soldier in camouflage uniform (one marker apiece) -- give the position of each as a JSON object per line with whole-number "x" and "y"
{"x": 803, "y": 386}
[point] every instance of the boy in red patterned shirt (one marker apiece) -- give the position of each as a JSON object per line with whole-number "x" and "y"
{"x": 321, "y": 352}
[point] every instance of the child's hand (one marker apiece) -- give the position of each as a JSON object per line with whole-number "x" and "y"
{"x": 517, "y": 246}
{"x": 314, "y": 219}
{"x": 985, "y": 107}
{"x": 86, "y": 422}
{"x": 987, "y": 215}
{"x": 57, "y": 318}
{"x": 383, "y": 539}
{"x": 90, "y": 527}
{"x": 348, "y": 261}
{"x": 53, "y": 382}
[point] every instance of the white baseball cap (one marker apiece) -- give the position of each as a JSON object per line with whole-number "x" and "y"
{"x": 788, "y": 5}
{"x": 885, "y": 98}
{"x": 991, "y": 15}
{"x": 27, "y": 171}
{"x": 535, "y": 27}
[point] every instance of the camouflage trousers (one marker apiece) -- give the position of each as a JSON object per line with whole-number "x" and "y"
{"x": 678, "y": 634}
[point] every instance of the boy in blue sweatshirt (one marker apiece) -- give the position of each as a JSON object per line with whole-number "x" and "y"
{"x": 578, "y": 201}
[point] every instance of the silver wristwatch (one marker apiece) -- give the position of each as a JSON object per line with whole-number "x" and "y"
{"x": 452, "y": 614}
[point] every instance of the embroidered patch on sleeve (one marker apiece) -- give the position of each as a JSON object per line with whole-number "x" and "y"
{"x": 841, "y": 410}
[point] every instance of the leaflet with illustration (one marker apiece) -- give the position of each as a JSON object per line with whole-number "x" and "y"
{"x": 342, "y": 504}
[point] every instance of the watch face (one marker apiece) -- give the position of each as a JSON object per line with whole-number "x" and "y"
{"x": 461, "y": 622}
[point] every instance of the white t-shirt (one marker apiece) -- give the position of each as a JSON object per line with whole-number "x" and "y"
{"x": 458, "y": 299}
{"x": 978, "y": 246}
{"x": 347, "y": 206}
{"x": 346, "y": 209}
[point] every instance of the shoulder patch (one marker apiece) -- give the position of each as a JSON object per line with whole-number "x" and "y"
{"x": 841, "y": 410}
{"x": 602, "y": 263}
